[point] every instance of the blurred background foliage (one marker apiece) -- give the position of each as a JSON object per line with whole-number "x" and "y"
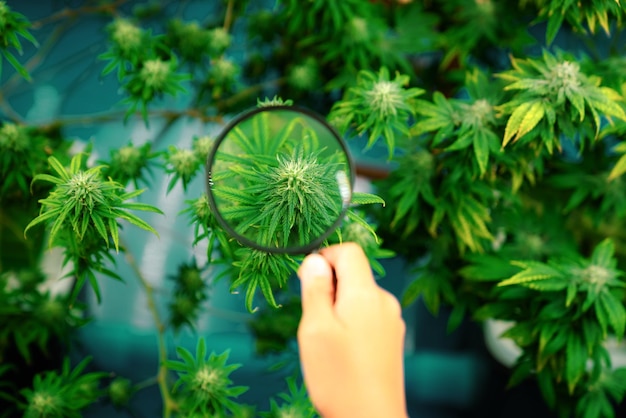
{"x": 493, "y": 131}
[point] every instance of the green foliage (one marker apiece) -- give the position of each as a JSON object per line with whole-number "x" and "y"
{"x": 588, "y": 282}
{"x": 260, "y": 269}
{"x": 82, "y": 209}
{"x": 206, "y": 228}
{"x": 13, "y": 26}
{"x": 432, "y": 286}
{"x": 505, "y": 184}
{"x": 24, "y": 152}
{"x": 356, "y": 30}
{"x": 570, "y": 307}
{"x": 294, "y": 403}
{"x": 156, "y": 78}
{"x": 275, "y": 330}
{"x": 583, "y": 17}
{"x": 411, "y": 188}
{"x": 183, "y": 164}
{"x": 120, "y": 392}
{"x": 470, "y": 26}
{"x": 32, "y": 319}
{"x": 204, "y": 386}
{"x": 620, "y": 166}
{"x": 295, "y": 194}
{"x": 553, "y": 98}
{"x": 274, "y": 101}
{"x": 64, "y": 394}
{"x": 145, "y": 67}
{"x": 607, "y": 387}
{"x": 190, "y": 290}
{"x": 193, "y": 42}
{"x": 459, "y": 124}
{"x": 130, "y": 164}
{"x": 376, "y": 105}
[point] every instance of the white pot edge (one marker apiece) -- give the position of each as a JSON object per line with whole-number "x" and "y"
{"x": 506, "y": 352}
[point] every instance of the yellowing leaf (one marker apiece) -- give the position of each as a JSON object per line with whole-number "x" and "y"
{"x": 523, "y": 120}
{"x": 618, "y": 169}
{"x": 603, "y": 19}
{"x": 531, "y": 118}
{"x": 514, "y": 122}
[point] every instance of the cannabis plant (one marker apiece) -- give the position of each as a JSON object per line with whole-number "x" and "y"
{"x": 497, "y": 128}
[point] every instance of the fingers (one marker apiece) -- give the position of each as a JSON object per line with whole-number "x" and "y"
{"x": 316, "y": 278}
{"x": 352, "y": 268}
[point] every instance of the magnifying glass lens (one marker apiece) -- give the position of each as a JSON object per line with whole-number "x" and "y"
{"x": 280, "y": 179}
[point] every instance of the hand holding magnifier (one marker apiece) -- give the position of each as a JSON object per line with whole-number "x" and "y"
{"x": 280, "y": 179}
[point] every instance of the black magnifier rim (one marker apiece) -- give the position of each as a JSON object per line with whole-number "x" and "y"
{"x": 303, "y": 249}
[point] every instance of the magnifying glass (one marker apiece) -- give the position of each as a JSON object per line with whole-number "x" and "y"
{"x": 279, "y": 179}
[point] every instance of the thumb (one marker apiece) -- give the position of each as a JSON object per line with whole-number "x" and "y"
{"x": 318, "y": 290}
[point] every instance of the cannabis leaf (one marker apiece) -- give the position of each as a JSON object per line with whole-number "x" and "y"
{"x": 82, "y": 201}
{"x": 432, "y": 285}
{"x": 294, "y": 189}
{"x": 589, "y": 282}
{"x": 607, "y": 195}
{"x": 359, "y": 198}
{"x": 620, "y": 166}
{"x": 551, "y": 93}
{"x": 377, "y": 105}
{"x": 464, "y": 209}
{"x": 63, "y": 394}
{"x": 607, "y": 386}
{"x": 204, "y": 383}
{"x": 292, "y": 403}
{"x": 130, "y": 163}
{"x": 459, "y": 124}
{"x": 13, "y": 25}
{"x": 409, "y": 191}
{"x": 262, "y": 269}
{"x": 580, "y": 15}
{"x": 83, "y": 213}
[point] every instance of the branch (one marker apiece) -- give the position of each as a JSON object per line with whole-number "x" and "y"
{"x": 109, "y": 116}
{"x": 67, "y": 13}
{"x": 228, "y": 19}
{"x": 245, "y": 93}
{"x": 169, "y": 404}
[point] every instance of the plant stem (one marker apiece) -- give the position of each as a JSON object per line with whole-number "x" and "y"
{"x": 169, "y": 404}
{"x": 228, "y": 19}
{"x": 8, "y": 110}
{"x": 245, "y": 93}
{"x": 169, "y": 114}
{"x": 146, "y": 383}
{"x": 109, "y": 116}
{"x": 74, "y": 13}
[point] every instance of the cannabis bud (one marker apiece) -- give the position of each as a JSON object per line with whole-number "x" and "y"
{"x": 126, "y": 36}
{"x": 183, "y": 163}
{"x": 120, "y": 392}
{"x": 219, "y": 40}
{"x": 13, "y": 138}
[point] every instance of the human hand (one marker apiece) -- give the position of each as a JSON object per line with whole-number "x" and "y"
{"x": 351, "y": 338}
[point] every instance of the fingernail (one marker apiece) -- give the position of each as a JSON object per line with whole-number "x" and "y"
{"x": 314, "y": 265}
